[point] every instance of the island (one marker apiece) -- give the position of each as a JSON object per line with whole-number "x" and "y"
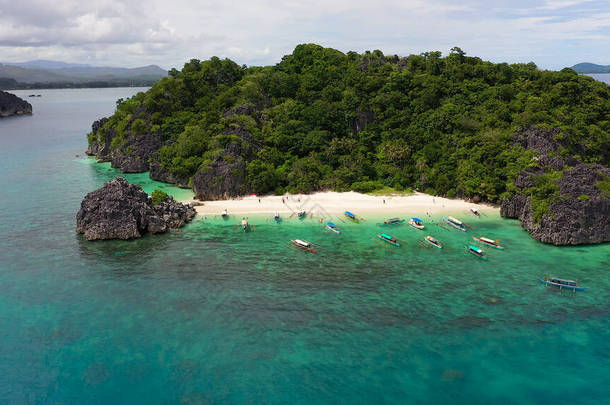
{"x": 535, "y": 142}
{"x": 11, "y": 105}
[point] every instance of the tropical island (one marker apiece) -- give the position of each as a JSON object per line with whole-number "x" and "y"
{"x": 537, "y": 142}
{"x": 10, "y": 105}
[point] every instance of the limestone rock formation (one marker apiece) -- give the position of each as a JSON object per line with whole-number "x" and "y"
{"x": 579, "y": 213}
{"x": 10, "y": 105}
{"x": 120, "y": 210}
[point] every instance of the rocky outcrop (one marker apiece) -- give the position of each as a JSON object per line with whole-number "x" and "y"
{"x": 133, "y": 152}
{"x": 10, "y": 105}
{"x": 159, "y": 173}
{"x": 579, "y": 213}
{"x": 134, "y": 155}
{"x": 222, "y": 179}
{"x": 120, "y": 210}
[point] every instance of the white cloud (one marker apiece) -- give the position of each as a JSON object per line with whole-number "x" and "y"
{"x": 553, "y": 33}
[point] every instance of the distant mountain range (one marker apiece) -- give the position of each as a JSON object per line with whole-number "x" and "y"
{"x": 46, "y": 73}
{"x": 591, "y": 68}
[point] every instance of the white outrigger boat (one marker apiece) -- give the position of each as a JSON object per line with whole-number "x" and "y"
{"x": 433, "y": 241}
{"x": 488, "y": 242}
{"x": 456, "y": 223}
{"x": 562, "y": 284}
{"x": 304, "y": 245}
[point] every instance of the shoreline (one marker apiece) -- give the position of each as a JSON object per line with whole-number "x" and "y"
{"x": 330, "y": 203}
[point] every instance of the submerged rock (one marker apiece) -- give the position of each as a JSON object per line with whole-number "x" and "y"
{"x": 10, "y": 104}
{"x": 120, "y": 210}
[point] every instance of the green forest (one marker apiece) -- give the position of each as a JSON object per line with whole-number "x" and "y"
{"x": 321, "y": 119}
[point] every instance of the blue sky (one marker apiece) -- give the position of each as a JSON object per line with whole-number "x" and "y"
{"x": 551, "y": 33}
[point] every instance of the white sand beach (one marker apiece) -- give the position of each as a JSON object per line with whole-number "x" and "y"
{"x": 328, "y": 203}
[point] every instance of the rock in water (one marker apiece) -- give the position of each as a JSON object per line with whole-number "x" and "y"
{"x": 120, "y": 210}
{"x": 10, "y": 104}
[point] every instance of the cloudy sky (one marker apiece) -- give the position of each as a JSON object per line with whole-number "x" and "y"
{"x": 551, "y": 33}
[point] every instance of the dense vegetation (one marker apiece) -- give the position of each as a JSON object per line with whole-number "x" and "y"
{"x": 321, "y": 119}
{"x": 158, "y": 196}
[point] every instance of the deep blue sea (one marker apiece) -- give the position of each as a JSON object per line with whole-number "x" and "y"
{"x": 212, "y": 315}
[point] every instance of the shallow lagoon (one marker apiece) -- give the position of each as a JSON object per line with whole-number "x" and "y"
{"x": 210, "y": 314}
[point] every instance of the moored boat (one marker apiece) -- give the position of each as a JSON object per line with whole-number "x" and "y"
{"x": 332, "y": 227}
{"x": 433, "y": 241}
{"x": 416, "y": 223}
{"x": 302, "y": 214}
{"x": 454, "y": 222}
{"x": 488, "y": 242}
{"x": 387, "y": 238}
{"x": 475, "y": 211}
{"x": 277, "y": 217}
{"x": 304, "y": 245}
{"x": 476, "y": 251}
{"x": 244, "y": 224}
{"x": 351, "y": 216}
{"x": 393, "y": 221}
{"x": 562, "y": 284}
{"x": 224, "y": 214}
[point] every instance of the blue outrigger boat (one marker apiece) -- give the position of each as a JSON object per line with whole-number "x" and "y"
{"x": 416, "y": 223}
{"x": 332, "y": 227}
{"x": 562, "y": 284}
{"x": 351, "y": 216}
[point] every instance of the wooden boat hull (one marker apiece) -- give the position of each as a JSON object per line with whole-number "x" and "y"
{"x": 562, "y": 286}
{"x": 433, "y": 244}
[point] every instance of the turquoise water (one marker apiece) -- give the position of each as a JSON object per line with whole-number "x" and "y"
{"x": 210, "y": 314}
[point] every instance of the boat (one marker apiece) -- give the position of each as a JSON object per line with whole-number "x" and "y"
{"x": 277, "y": 217}
{"x": 454, "y": 222}
{"x": 489, "y": 242}
{"x": 351, "y": 216}
{"x": 304, "y": 245}
{"x": 562, "y": 284}
{"x": 302, "y": 214}
{"x": 244, "y": 224}
{"x": 331, "y": 226}
{"x": 433, "y": 241}
{"x": 416, "y": 223}
{"x": 393, "y": 221}
{"x": 387, "y": 238}
{"x": 475, "y": 211}
{"x": 224, "y": 214}
{"x": 477, "y": 251}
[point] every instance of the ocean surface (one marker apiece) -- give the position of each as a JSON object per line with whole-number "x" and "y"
{"x": 602, "y": 77}
{"x": 212, "y": 315}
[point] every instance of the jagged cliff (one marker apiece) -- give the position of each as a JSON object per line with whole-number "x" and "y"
{"x": 578, "y": 207}
{"x": 10, "y": 105}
